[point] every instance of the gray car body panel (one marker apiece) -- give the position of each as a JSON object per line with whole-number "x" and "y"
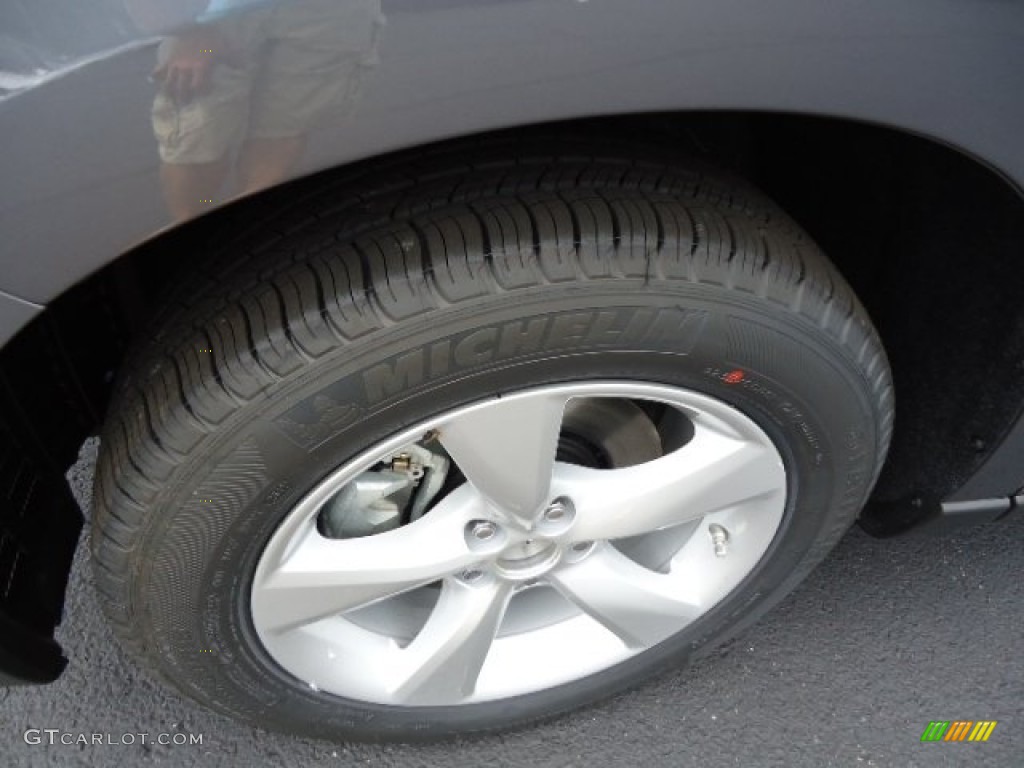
{"x": 15, "y": 313}
{"x": 79, "y": 168}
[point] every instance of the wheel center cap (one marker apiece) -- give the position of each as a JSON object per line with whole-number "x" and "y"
{"x": 528, "y": 560}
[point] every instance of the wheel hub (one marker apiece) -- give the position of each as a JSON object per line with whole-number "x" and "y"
{"x": 545, "y": 548}
{"x": 529, "y": 560}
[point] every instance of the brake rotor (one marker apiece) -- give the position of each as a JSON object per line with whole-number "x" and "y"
{"x": 607, "y": 433}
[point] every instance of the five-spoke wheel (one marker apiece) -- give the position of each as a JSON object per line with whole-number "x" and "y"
{"x": 534, "y": 571}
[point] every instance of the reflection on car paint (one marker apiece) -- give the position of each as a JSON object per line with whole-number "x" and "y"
{"x": 239, "y": 92}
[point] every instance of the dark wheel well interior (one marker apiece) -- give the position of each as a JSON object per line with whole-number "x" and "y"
{"x": 929, "y": 239}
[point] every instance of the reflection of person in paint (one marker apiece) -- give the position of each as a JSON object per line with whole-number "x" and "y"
{"x": 254, "y": 77}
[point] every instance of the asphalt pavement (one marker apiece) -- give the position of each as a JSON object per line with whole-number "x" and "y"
{"x": 884, "y": 637}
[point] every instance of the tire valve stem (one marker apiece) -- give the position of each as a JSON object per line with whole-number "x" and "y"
{"x": 720, "y": 538}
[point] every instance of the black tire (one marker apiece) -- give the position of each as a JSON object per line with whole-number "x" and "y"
{"x": 304, "y": 349}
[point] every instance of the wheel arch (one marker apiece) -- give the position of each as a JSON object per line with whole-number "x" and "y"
{"x": 895, "y": 189}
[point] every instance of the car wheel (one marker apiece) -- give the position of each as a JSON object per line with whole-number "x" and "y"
{"x": 453, "y": 463}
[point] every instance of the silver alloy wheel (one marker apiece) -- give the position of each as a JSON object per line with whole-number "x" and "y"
{"x": 534, "y": 572}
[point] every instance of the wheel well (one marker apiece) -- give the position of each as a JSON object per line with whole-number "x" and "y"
{"x": 928, "y": 237}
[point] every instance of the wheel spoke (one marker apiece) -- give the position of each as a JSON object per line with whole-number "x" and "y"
{"x": 321, "y": 577}
{"x": 656, "y": 550}
{"x": 506, "y": 450}
{"x": 444, "y": 661}
{"x": 710, "y": 473}
{"x": 640, "y": 606}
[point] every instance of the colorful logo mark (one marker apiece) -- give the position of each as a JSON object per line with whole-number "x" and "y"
{"x": 959, "y": 730}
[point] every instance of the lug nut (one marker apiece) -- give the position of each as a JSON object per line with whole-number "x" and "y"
{"x": 578, "y": 550}
{"x": 483, "y": 536}
{"x": 557, "y": 518}
{"x": 720, "y": 538}
{"x": 471, "y": 575}
{"x": 483, "y": 530}
{"x": 556, "y": 512}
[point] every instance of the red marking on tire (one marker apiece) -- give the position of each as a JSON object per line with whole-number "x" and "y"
{"x": 734, "y": 377}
